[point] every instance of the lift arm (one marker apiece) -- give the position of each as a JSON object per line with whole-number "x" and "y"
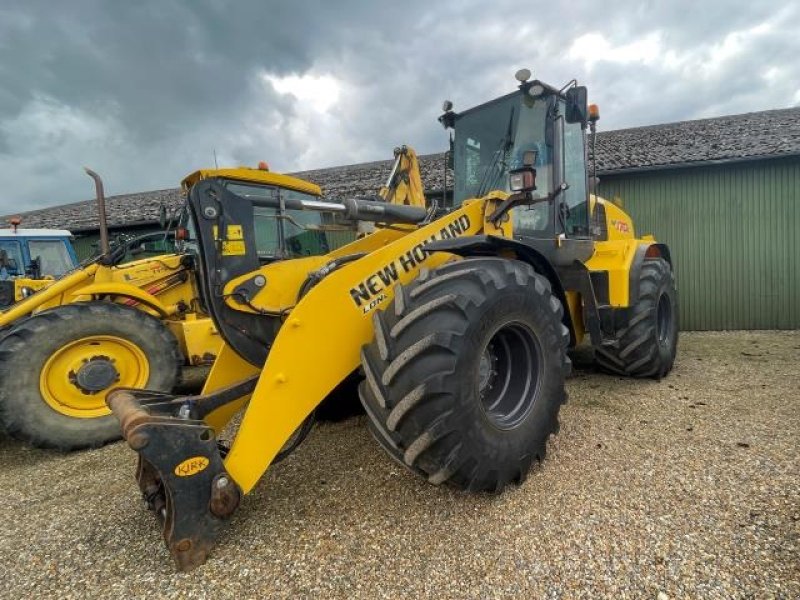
{"x": 182, "y": 474}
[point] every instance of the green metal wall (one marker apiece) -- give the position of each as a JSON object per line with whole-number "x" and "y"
{"x": 734, "y": 233}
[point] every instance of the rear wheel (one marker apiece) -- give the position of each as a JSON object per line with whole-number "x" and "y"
{"x": 57, "y": 367}
{"x": 646, "y": 346}
{"x": 465, "y": 376}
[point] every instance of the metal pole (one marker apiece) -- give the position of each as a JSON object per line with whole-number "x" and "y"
{"x": 105, "y": 247}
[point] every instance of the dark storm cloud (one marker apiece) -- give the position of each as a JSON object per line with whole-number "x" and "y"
{"x": 146, "y": 91}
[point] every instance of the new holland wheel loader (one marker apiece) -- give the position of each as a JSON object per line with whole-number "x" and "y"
{"x": 136, "y": 324}
{"x": 461, "y": 322}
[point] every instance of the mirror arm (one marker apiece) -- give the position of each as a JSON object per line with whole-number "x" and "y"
{"x": 518, "y": 199}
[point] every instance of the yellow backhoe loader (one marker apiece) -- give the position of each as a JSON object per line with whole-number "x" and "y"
{"x": 461, "y": 322}
{"x": 135, "y": 324}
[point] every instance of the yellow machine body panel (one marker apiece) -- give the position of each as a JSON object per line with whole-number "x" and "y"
{"x": 35, "y": 285}
{"x": 615, "y": 254}
{"x": 198, "y": 338}
{"x": 253, "y": 176}
{"x": 575, "y": 308}
{"x": 292, "y": 274}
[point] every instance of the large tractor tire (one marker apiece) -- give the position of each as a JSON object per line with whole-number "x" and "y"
{"x": 57, "y": 366}
{"x": 465, "y": 376}
{"x": 646, "y": 346}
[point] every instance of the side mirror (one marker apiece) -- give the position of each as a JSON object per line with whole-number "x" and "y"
{"x": 577, "y": 105}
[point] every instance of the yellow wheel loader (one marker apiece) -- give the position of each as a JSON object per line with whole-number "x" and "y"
{"x": 461, "y": 322}
{"x": 136, "y": 324}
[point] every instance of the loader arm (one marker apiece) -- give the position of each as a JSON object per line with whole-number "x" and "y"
{"x": 320, "y": 333}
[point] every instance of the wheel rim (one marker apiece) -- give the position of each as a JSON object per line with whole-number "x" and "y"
{"x": 509, "y": 373}
{"x": 76, "y": 377}
{"x": 664, "y": 319}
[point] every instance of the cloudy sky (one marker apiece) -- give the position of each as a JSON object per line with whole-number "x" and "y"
{"x": 144, "y": 92}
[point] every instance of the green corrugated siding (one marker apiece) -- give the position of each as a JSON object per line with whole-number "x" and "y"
{"x": 85, "y": 246}
{"x": 734, "y": 234}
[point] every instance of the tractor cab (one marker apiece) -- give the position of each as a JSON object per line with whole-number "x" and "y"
{"x": 35, "y": 253}
{"x": 29, "y": 258}
{"x": 538, "y": 134}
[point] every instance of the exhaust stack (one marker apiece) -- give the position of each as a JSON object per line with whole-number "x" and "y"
{"x": 105, "y": 247}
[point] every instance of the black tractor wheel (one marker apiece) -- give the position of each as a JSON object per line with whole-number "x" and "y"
{"x": 465, "y": 376}
{"x": 646, "y": 346}
{"x": 56, "y": 368}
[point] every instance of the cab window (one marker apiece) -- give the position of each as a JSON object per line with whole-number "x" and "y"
{"x": 577, "y": 221}
{"x": 11, "y": 262}
{"x": 297, "y": 233}
{"x": 54, "y": 259}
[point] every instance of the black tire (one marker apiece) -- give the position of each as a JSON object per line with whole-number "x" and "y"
{"x": 647, "y": 345}
{"x": 454, "y": 337}
{"x": 25, "y": 350}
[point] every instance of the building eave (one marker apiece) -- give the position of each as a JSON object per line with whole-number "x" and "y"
{"x": 695, "y": 164}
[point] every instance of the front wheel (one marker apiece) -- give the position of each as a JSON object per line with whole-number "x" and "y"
{"x": 465, "y": 376}
{"x": 56, "y": 368}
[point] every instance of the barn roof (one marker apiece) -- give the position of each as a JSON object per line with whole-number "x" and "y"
{"x": 749, "y": 136}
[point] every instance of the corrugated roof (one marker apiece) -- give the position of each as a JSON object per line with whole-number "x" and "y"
{"x": 756, "y": 135}
{"x": 734, "y": 137}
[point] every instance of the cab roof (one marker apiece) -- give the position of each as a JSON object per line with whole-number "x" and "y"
{"x": 34, "y": 233}
{"x": 257, "y": 176}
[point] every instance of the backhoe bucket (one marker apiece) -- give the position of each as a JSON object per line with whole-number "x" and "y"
{"x": 180, "y": 470}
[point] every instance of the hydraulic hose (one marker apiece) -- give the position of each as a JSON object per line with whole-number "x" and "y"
{"x": 316, "y": 276}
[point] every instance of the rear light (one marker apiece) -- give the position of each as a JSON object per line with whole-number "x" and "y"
{"x": 522, "y": 180}
{"x": 181, "y": 233}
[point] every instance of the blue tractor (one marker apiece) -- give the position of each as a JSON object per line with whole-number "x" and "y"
{"x": 30, "y": 259}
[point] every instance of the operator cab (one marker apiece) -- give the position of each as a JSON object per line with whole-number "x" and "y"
{"x": 281, "y": 232}
{"x": 536, "y": 128}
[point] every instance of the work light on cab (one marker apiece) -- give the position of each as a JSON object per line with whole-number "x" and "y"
{"x": 524, "y": 178}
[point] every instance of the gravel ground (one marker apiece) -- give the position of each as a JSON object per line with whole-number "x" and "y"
{"x": 688, "y": 487}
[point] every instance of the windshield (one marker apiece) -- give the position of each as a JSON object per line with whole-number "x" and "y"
{"x": 11, "y": 263}
{"x": 491, "y": 141}
{"x": 303, "y": 232}
{"x": 54, "y": 259}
